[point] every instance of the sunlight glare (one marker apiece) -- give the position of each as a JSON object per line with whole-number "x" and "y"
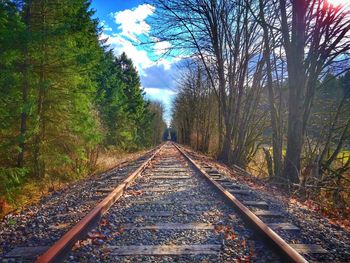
{"x": 338, "y": 2}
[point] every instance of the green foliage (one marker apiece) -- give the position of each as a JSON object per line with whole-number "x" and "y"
{"x": 11, "y": 29}
{"x": 63, "y": 95}
{"x": 10, "y": 180}
{"x": 64, "y": 52}
{"x": 123, "y": 109}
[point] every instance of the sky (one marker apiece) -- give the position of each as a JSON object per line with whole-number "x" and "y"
{"x": 125, "y": 25}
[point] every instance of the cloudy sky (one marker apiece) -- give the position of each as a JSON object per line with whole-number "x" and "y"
{"x": 126, "y": 24}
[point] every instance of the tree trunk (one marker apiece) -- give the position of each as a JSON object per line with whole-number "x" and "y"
{"x": 23, "y": 129}
{"x": 276, "y": 170}
{"x": 227, "y": 143}
{"x": 269, "y": 162}
{"x": 296, "y": 85}
{"x": 25, "y": 93}
{"x": 39, "y": 163}
{"x": 295, "y": 130}
{"x": 39, "y": 168}
{"x": 220, "y": 129}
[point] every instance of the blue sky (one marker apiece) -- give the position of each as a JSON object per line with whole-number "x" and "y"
{"x": 125, "y": 25}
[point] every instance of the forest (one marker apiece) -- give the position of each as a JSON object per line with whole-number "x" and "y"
{"x": 266, "y": 87}
{"x": 66, "y": 99}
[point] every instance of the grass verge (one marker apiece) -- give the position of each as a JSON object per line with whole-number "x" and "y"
{"x": 32, "y": 191}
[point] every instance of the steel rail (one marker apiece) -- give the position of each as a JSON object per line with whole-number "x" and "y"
{"x": 58, "y": 251}
{"x": 281, "y": 246}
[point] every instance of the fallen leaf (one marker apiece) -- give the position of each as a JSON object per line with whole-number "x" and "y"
{"x": 244, "y": 243}
{"x": 244, "y": 259}
{"x": 82, "y": 243}
{"x": 134, "y": 193}
{"x": 104, "y": 222}
{"x": 95, "y": 235}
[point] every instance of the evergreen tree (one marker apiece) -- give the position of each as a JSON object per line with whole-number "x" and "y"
{"x": 64, "y": 53}
{"x": 11, "y": 32}
{"x": 11, "y": 39}
{"x": 110, "y": 97}
{"x": 121, "y": 102}
{"x": 136, "y": 110}
{"x": 62, "y": 93}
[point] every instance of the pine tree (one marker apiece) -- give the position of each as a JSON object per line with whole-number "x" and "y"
{"x": 136, "y": 111}
{"x": 62, "y": 93}
{"x": 110, "y": 97}
{"x": 11, "y": 33}
{"x": 11, "y": 39}
{"x": 122, "y": 104}
{"x": 64, "y": 51}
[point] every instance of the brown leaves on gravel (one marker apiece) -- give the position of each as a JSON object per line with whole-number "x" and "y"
{"x": 133, "y": 193}
{"x": 96, "y": 235}
{"x": 229, "y": 233}
{"x": 104, "y": 222}
{"x": 92, "y": 238}
{"x": 30, "y": 213}
{"x": 118, "y": 233}
{"x": 244, "y": 259}
{"x": 114, "y": 233}
{"x": 82, "y": 243}
{"x": 335, "y": 216}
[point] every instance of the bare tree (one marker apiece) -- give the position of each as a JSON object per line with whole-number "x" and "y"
{"x": 315, "y": 36}
{"x": 194, "y": 109}
{"x": 226, "y": 40}
{"x": 254, "y": 49}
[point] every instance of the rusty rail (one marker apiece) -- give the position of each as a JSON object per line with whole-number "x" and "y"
{"x": 281, "y": 246}
{"x": 58, "y": 251}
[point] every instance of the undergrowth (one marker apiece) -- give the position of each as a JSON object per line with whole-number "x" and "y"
{"x": 18, "y": 189}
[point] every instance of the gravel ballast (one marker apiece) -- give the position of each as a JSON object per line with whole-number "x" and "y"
{"x": 25, "y": 235}
{"x": 154, "y": 201}
{"x": 313, "y": 227}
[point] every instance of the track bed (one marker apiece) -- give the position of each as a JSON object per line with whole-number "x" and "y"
{"x": 170, "y": 205}
{"x": 171, "y": 214}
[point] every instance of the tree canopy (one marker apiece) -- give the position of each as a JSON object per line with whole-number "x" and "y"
{"x": 64, "y": 94}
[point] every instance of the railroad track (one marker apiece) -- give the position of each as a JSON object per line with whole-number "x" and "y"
{"x": 174, "y": 208}
{"x": 25, "y": 235}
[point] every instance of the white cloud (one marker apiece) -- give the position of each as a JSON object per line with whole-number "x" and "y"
{"x": 132, "y": 25}
{"x": 164, "y": 95}
{"x": 132, "y": 21}
{"x": 140, "y": 58}
{"x": 161, "y": 47}
{"x": 105, "y": 26}
{"x": 157, "y": 91}
{"x": 165, "y": 63}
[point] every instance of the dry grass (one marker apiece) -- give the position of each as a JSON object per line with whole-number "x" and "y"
{"x": 32, "y": 192}
{"x": 29, "y": 193}
{"x": 258, "y": 166}
{"x": 110, "y": 159}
